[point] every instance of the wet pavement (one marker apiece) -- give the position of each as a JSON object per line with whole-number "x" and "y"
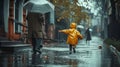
{"x": 86, "y": 55}
{"x": 57, "y": 55}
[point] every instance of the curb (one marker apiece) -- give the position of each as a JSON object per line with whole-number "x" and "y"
{"x": 116, "y": 52}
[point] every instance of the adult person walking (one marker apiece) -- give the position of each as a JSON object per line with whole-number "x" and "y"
{"x": 35, "y": 31}
{"x": 88, "y": 36}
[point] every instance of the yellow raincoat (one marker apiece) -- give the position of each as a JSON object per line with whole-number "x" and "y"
{"x": 73, "y": 34}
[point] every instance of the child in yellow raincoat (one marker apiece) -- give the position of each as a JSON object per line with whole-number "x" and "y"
{"x": 73, "y": 36}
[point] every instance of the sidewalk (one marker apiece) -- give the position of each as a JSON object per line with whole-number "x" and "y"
{"x": 58, "y": 55}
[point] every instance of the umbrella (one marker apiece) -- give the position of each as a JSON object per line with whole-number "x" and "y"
{"x": 90, "y": 29}
{"x": 40, "y": 6}
{"x": 80, "y": 26}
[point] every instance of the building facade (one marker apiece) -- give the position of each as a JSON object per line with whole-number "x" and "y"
{"x": 13, "y": 22}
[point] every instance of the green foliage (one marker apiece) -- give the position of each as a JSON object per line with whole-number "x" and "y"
{"x": 66, "y": 9}
{"x": 113, "y": 42}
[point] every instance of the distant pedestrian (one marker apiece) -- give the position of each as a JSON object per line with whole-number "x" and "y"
{"x": 88, "y": 36}
{"x": 73, "y": 36}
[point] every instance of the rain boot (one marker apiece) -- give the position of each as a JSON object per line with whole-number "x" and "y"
{"x": 74, "y": 50}
{"x": 70, "y": 48}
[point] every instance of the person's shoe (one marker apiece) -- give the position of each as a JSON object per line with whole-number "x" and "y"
{"x": 74, "y": 50}
{"x": 38, "y": 51}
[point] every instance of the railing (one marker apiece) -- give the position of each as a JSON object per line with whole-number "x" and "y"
{"x": 19, "y": 23}
{"x": 23, "y": 36}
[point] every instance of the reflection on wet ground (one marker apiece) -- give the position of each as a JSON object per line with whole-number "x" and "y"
{"x": 58, "y": 56}
{"x": 61, "y": 58}
{"x": 46, "y": 59}
{"x": 13, "y": 60}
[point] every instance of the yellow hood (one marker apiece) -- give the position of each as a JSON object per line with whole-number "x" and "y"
{"x": 73, "y": 25}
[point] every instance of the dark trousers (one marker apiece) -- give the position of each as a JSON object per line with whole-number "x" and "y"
{"x": 37, "y": 44}
{"x": 72, "y": 49}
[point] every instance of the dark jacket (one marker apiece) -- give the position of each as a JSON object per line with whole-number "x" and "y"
{"x": 88, "y": 35}
{"x": 34, "y": 26}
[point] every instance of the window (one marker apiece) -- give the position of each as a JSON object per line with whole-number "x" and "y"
{"x": 18, "y": 15}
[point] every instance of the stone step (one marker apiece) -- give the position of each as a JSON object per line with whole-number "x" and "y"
{"x": 7, "y": 42}
{"x": 3, "y": 38}
{"x": 13, "y": 48}
{"x": 10, "y": 46}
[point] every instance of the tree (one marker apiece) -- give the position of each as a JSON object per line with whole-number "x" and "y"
{"x": 69, "y": 10}
{"x": 114, "y": 22}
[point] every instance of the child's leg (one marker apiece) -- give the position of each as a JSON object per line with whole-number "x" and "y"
{"x": 74, "y": 49}
{"x": 70, "y": 48}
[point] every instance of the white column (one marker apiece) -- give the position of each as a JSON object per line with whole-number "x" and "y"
{"x": 6, "y": 14}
